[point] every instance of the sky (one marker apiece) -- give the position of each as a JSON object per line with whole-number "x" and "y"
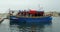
{"x": 47, "y": 5}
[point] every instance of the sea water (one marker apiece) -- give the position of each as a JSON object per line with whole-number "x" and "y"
{"x": 50, "y": 27}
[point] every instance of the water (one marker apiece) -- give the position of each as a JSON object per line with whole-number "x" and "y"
{"x": 52, "y": 27}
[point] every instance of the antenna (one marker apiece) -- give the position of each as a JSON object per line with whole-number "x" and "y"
{"x": 40, "y": 8}
{"x": 9, "y": 9}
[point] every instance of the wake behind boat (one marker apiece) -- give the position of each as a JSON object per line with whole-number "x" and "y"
{"x": 1, "y": 20}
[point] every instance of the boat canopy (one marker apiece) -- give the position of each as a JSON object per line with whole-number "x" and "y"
{"x": 32, "y": 11}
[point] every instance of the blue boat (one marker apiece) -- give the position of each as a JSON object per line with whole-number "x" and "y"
{"x": 29, "y": 20}
{"x": 20, "y": 20}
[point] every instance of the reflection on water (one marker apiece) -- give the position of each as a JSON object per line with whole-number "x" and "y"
{"x": 42, "y": 27}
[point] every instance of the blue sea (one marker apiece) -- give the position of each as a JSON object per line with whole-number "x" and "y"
{"x": 54, "y": 26}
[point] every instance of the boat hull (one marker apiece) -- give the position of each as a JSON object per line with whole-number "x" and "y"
{"x": 24, "y": 20}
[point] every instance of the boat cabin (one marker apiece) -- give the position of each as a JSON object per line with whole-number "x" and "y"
{"x": 36, "y": 13}
{"x": 31, "y": 13}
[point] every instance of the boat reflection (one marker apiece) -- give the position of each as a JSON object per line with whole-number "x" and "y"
{"x": 30, "y": 27}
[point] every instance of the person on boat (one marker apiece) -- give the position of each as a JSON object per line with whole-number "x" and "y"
{"x": 11, "y": 13}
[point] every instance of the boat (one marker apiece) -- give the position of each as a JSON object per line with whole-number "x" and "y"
{"x": 31, "y": 16}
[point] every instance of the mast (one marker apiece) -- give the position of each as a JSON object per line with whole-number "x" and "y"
{"x": 40, "y": 8}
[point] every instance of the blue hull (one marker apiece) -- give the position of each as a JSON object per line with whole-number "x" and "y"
{"x": 21, "y": 20}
